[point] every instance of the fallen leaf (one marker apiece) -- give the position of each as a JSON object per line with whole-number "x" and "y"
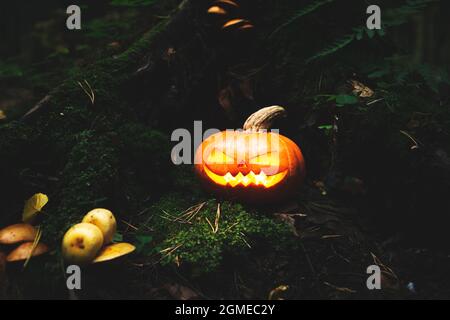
{"x": 246, "y": 87}
{"x": 2, "y": 115}
{"x": 275, "y": 294}
{"x": 361, "y": 90}
{"x": 289, "y": 219}
{"x": 224, "y": 97}
{"x": 389, "y": 280}
{"x": 33, "y": 206}
{"x": 180, "y": 292}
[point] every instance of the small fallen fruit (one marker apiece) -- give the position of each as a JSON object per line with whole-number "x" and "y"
{"x": 17, "y": 233}
{"x": 105, "y": 221}
{"x": 114, "y": 251}
{"x": 23, "y": 251}
{"x": 81, "y": 243}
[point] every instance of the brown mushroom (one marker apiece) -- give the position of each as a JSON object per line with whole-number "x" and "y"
{"x": 17, "y": 233}
{"x": 114, "y": 251}
{"x": 23, "y": 251}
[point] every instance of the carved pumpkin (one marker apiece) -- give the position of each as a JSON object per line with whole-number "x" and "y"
{"x": 253, "y": 165}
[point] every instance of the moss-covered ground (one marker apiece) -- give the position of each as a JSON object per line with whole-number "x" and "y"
{"x": 378, "y": 166}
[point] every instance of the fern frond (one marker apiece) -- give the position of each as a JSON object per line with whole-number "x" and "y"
{"x": 393, "y": 17}
{"x": 400, "y": 15}
{"x": 302, "y": 12}
{"x": 337, "y": 45}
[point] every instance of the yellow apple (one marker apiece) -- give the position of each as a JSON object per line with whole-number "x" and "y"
{"x": 81, "y": 243}
{"x": 105, "y": 221}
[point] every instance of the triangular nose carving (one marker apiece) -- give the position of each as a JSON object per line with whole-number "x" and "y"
{"x": 241, "y": 164}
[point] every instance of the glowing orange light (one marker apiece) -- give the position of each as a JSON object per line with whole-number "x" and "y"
{"x": 260, "y": 179}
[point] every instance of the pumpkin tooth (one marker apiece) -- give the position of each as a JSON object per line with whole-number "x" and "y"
{"x": 260, "y": 179}
{"x": 275, "y": 179}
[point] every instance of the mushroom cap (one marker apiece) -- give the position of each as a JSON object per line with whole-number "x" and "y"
{"x": 23, "y": 251}
{"x": 17, "y": 233}
{"x": 114, "y": 251}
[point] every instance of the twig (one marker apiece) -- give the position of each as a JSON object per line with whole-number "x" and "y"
{"x": 216, "y": 222}
{"x": 89, "y": 93}
{"x": 374, "y": 101}
{"x": 130, "y": 225}
{"x": 35, "y": 243}
{"x": 416, "y": 144}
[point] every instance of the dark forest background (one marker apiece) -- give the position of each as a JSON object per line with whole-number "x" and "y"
{"x": 378, "y": 166}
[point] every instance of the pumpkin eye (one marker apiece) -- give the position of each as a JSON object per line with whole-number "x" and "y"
{"x": 219, "y": 157}
{"x": 268, "y": 159}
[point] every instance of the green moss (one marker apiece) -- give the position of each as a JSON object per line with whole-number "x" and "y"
{"x": 15, "y": 137}
{"x": 87, "y": 181}
{"x": 195, "y": 244}
{"x": 146, "y": 166}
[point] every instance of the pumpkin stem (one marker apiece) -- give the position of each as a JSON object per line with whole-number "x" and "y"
{"x": 263, "y": 119}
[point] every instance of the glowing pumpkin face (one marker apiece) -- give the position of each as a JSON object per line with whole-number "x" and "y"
{"x": 250, "y": 165}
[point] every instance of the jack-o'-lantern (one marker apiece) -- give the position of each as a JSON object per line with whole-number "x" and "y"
{"x": 253, "y": 164}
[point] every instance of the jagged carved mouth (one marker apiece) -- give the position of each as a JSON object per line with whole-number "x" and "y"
{"x": 251, "y": 178}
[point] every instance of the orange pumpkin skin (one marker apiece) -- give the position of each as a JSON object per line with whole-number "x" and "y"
{"x": 250, "y": 166}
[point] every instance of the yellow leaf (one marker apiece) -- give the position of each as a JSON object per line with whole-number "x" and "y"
{"x": 33, "y": 206}
{"x": 2, "y": 115}
{"x": 275, "y": 294}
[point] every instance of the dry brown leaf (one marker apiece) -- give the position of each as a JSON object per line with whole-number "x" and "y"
{"x": 246, "y": 86}
{"x": 276, "y": 293}
{"x": 361, "y": 90}
{"x": 180, "y": 292}
{"x": 224, "y": 97}
{"x": 389, "y": 280}
{"x": 290, "y": 220}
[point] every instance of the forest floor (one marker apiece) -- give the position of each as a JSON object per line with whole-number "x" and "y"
{"x": 373, "y": 130}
